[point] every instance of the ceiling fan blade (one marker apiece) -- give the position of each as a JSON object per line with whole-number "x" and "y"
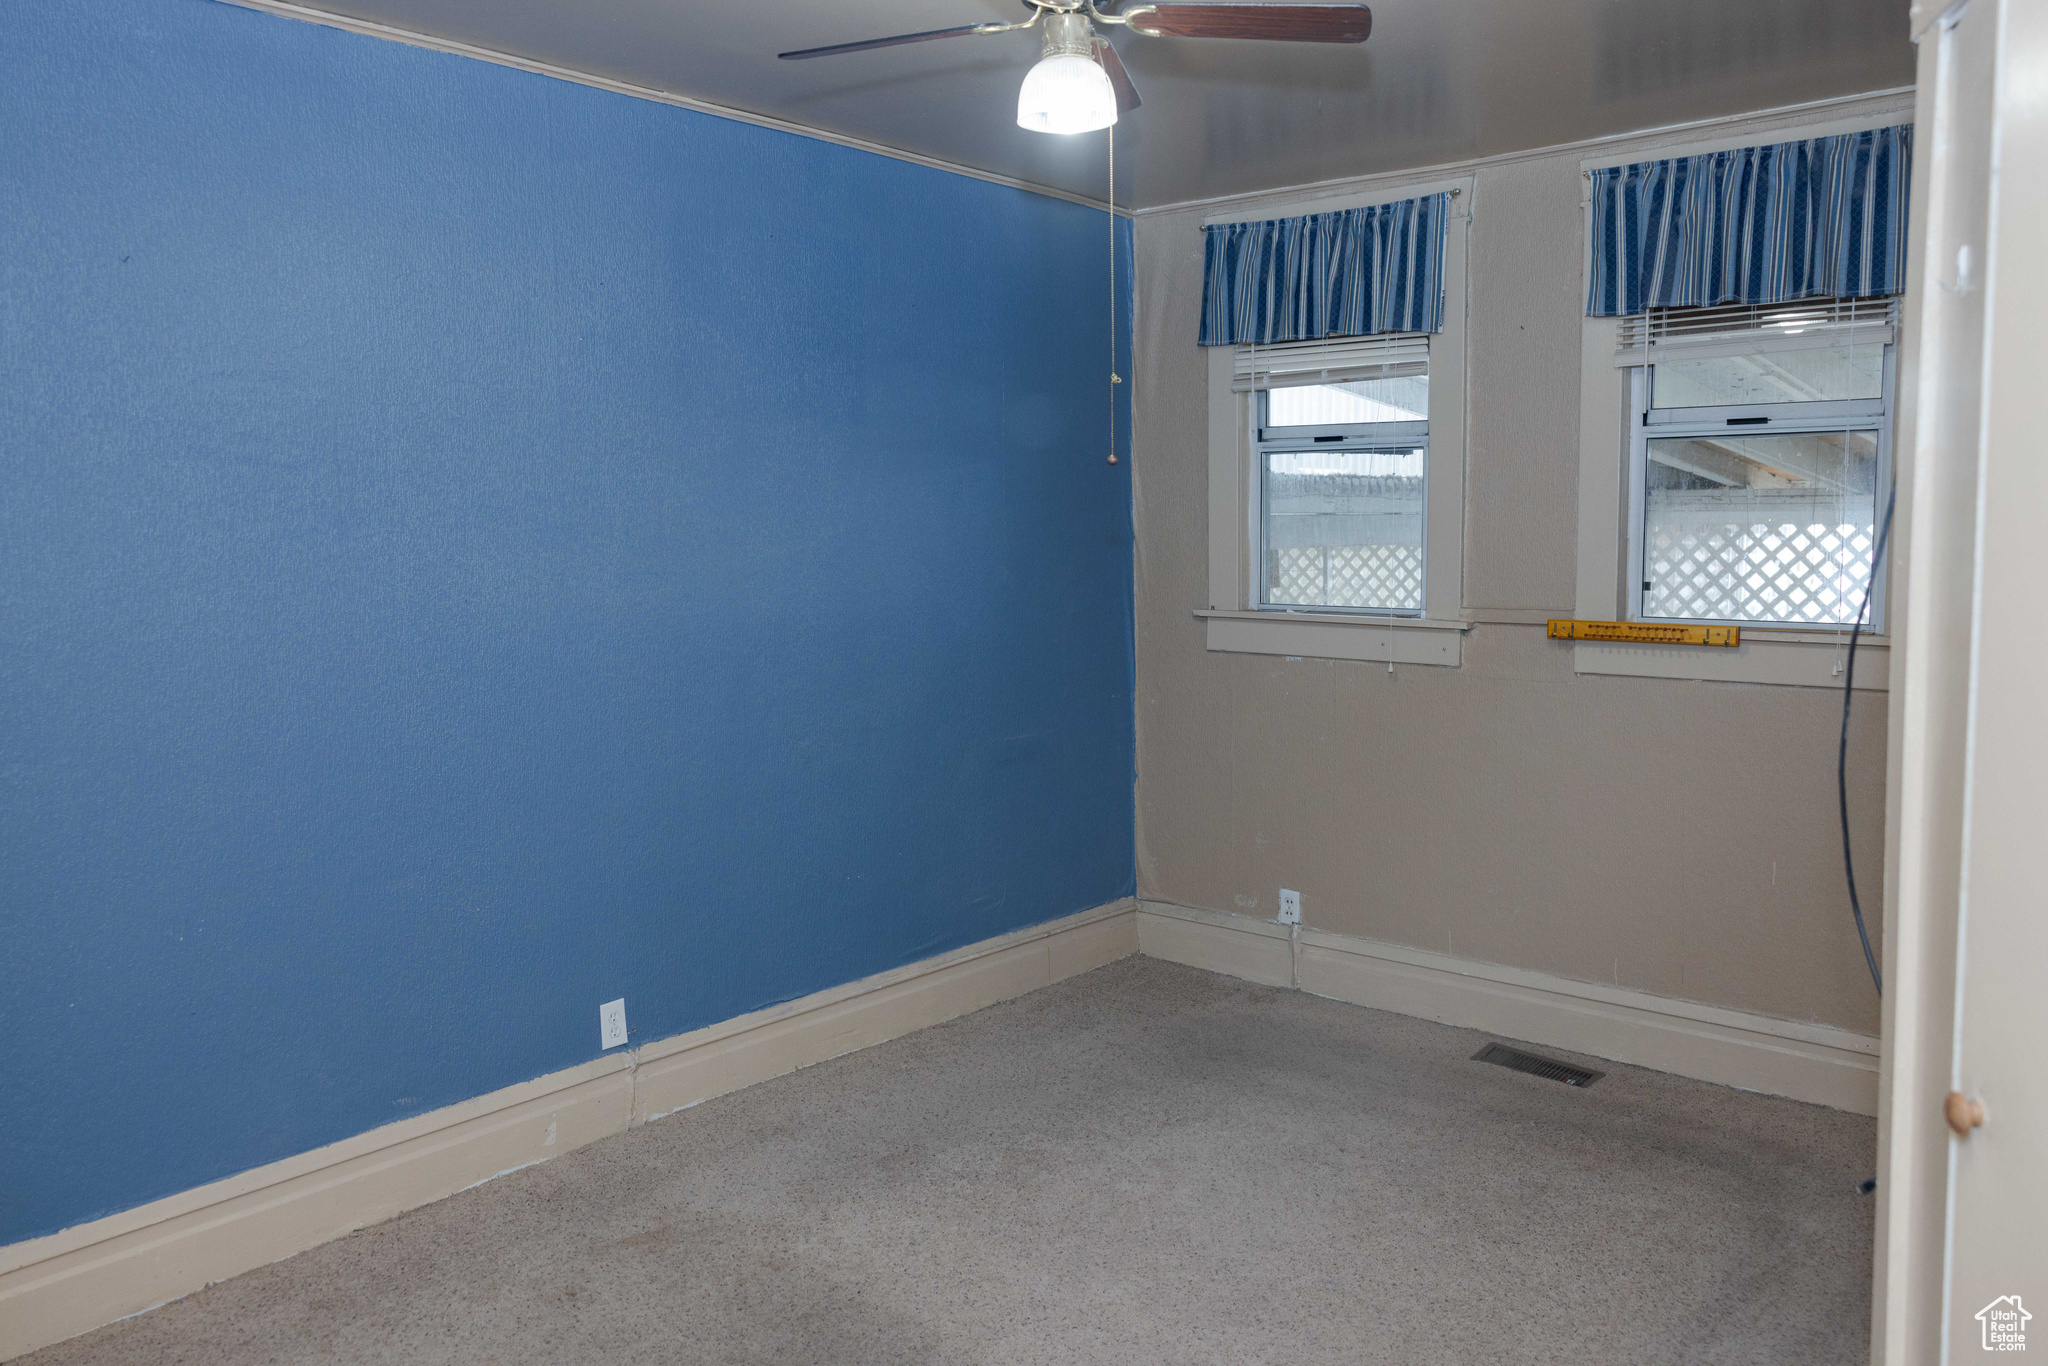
{"x": 927, "y": 36}
{"x": 1119, "y": 79}
{"x": 1283, "y": 23}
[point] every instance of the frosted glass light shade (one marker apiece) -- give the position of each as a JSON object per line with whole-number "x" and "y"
{"x": 1066, "y": 94}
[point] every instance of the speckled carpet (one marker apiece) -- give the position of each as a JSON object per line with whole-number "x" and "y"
{"x": 1148, "y": 1163}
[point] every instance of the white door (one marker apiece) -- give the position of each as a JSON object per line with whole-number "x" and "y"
{"x": 1963, "y": 1228}
{"x": 1997, "y": 1243}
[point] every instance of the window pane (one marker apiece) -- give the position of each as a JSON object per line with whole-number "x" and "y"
{"x": 1403, "y": 399}
{"x": 1759, "y": 528}
{"x": 1344, "y": 528}
{"x": 1820, "y": 375}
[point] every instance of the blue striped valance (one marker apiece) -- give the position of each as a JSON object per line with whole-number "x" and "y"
{"x": 1822, "y": 218}
{"x": 1344, "y": 274}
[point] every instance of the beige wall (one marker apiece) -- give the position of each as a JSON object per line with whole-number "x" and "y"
{"x": 1673, "y": 837}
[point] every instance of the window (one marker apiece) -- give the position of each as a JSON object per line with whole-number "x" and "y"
{"x": 1342, "y": 474}
{"x": 1732, "y": 457}
{"x": 1759, "y": 447}
{"x": 1337, "y": 478}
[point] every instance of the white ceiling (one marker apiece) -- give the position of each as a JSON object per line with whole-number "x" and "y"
{"x": 1440, "y": 80}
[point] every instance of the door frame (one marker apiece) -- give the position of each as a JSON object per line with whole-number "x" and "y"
{"x": 1957, "y": 367}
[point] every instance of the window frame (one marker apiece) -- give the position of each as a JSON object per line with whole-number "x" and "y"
{"x": 1806, "y": 656}
{"x": 1786, "y": 419}
{"x": 1235, "y": 619}
{"x": 1351, "y": 436}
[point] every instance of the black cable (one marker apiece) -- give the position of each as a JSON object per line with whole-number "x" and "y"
{"x": 1842, "y": 757}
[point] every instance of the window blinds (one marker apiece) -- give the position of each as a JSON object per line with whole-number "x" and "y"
{"x": 1331, "y": 361}
{"x": 1745, "y": 329}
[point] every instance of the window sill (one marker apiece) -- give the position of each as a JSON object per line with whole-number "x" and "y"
{"x": 1865, "y": 641}
{"x": 1336, "y": 635}
{"x": 1786, "y": 658}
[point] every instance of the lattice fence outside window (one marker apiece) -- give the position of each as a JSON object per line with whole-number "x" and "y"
{"x": 1386, "y": 577}
{"x": 1756, "y": 571}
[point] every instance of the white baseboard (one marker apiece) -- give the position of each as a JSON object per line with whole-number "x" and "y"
{"x": 1809, "y": 1062}
{"x": 58, "y": 1286}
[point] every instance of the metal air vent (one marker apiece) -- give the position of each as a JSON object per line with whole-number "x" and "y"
{"x": 1501, "y": 1055}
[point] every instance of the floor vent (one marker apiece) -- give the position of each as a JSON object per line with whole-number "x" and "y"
{"x": 1501, "y": 1055}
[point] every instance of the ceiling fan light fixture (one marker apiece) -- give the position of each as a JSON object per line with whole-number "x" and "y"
{"x": 1066, "y": 93}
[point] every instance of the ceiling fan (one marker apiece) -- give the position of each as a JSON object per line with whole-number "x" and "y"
{"x": 1080, "y": 84}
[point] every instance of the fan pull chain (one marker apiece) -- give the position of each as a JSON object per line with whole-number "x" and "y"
{"x": 1114, "y": 378}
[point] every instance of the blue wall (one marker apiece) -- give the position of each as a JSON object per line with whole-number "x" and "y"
{"x": 473, "y": 546}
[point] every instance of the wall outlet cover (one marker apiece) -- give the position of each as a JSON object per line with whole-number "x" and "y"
{"x": 611, "y": 1022}
{"x": 1290, "y": 907}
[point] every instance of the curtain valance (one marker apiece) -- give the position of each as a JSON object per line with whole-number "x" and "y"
{"x": 1353, "y": 272}
{"x": 1820, "y": 218}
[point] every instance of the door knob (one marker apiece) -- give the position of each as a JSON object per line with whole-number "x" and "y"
{"x": 1962, "y": 1113}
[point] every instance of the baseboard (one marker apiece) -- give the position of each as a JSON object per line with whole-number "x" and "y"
{"x": 58, "y": 1286}
{"x": 1809, "y": 1062}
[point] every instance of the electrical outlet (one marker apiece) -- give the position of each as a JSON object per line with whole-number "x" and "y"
{"x": 611, "y": 1022}
{"x": 1290, "y": 907}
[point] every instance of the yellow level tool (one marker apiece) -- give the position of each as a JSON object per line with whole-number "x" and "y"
{"x": 1643, "y": 632}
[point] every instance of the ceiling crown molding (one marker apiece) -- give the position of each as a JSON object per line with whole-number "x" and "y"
{"x": 1841, "y": 107}
{"x": 371, "y": 29}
